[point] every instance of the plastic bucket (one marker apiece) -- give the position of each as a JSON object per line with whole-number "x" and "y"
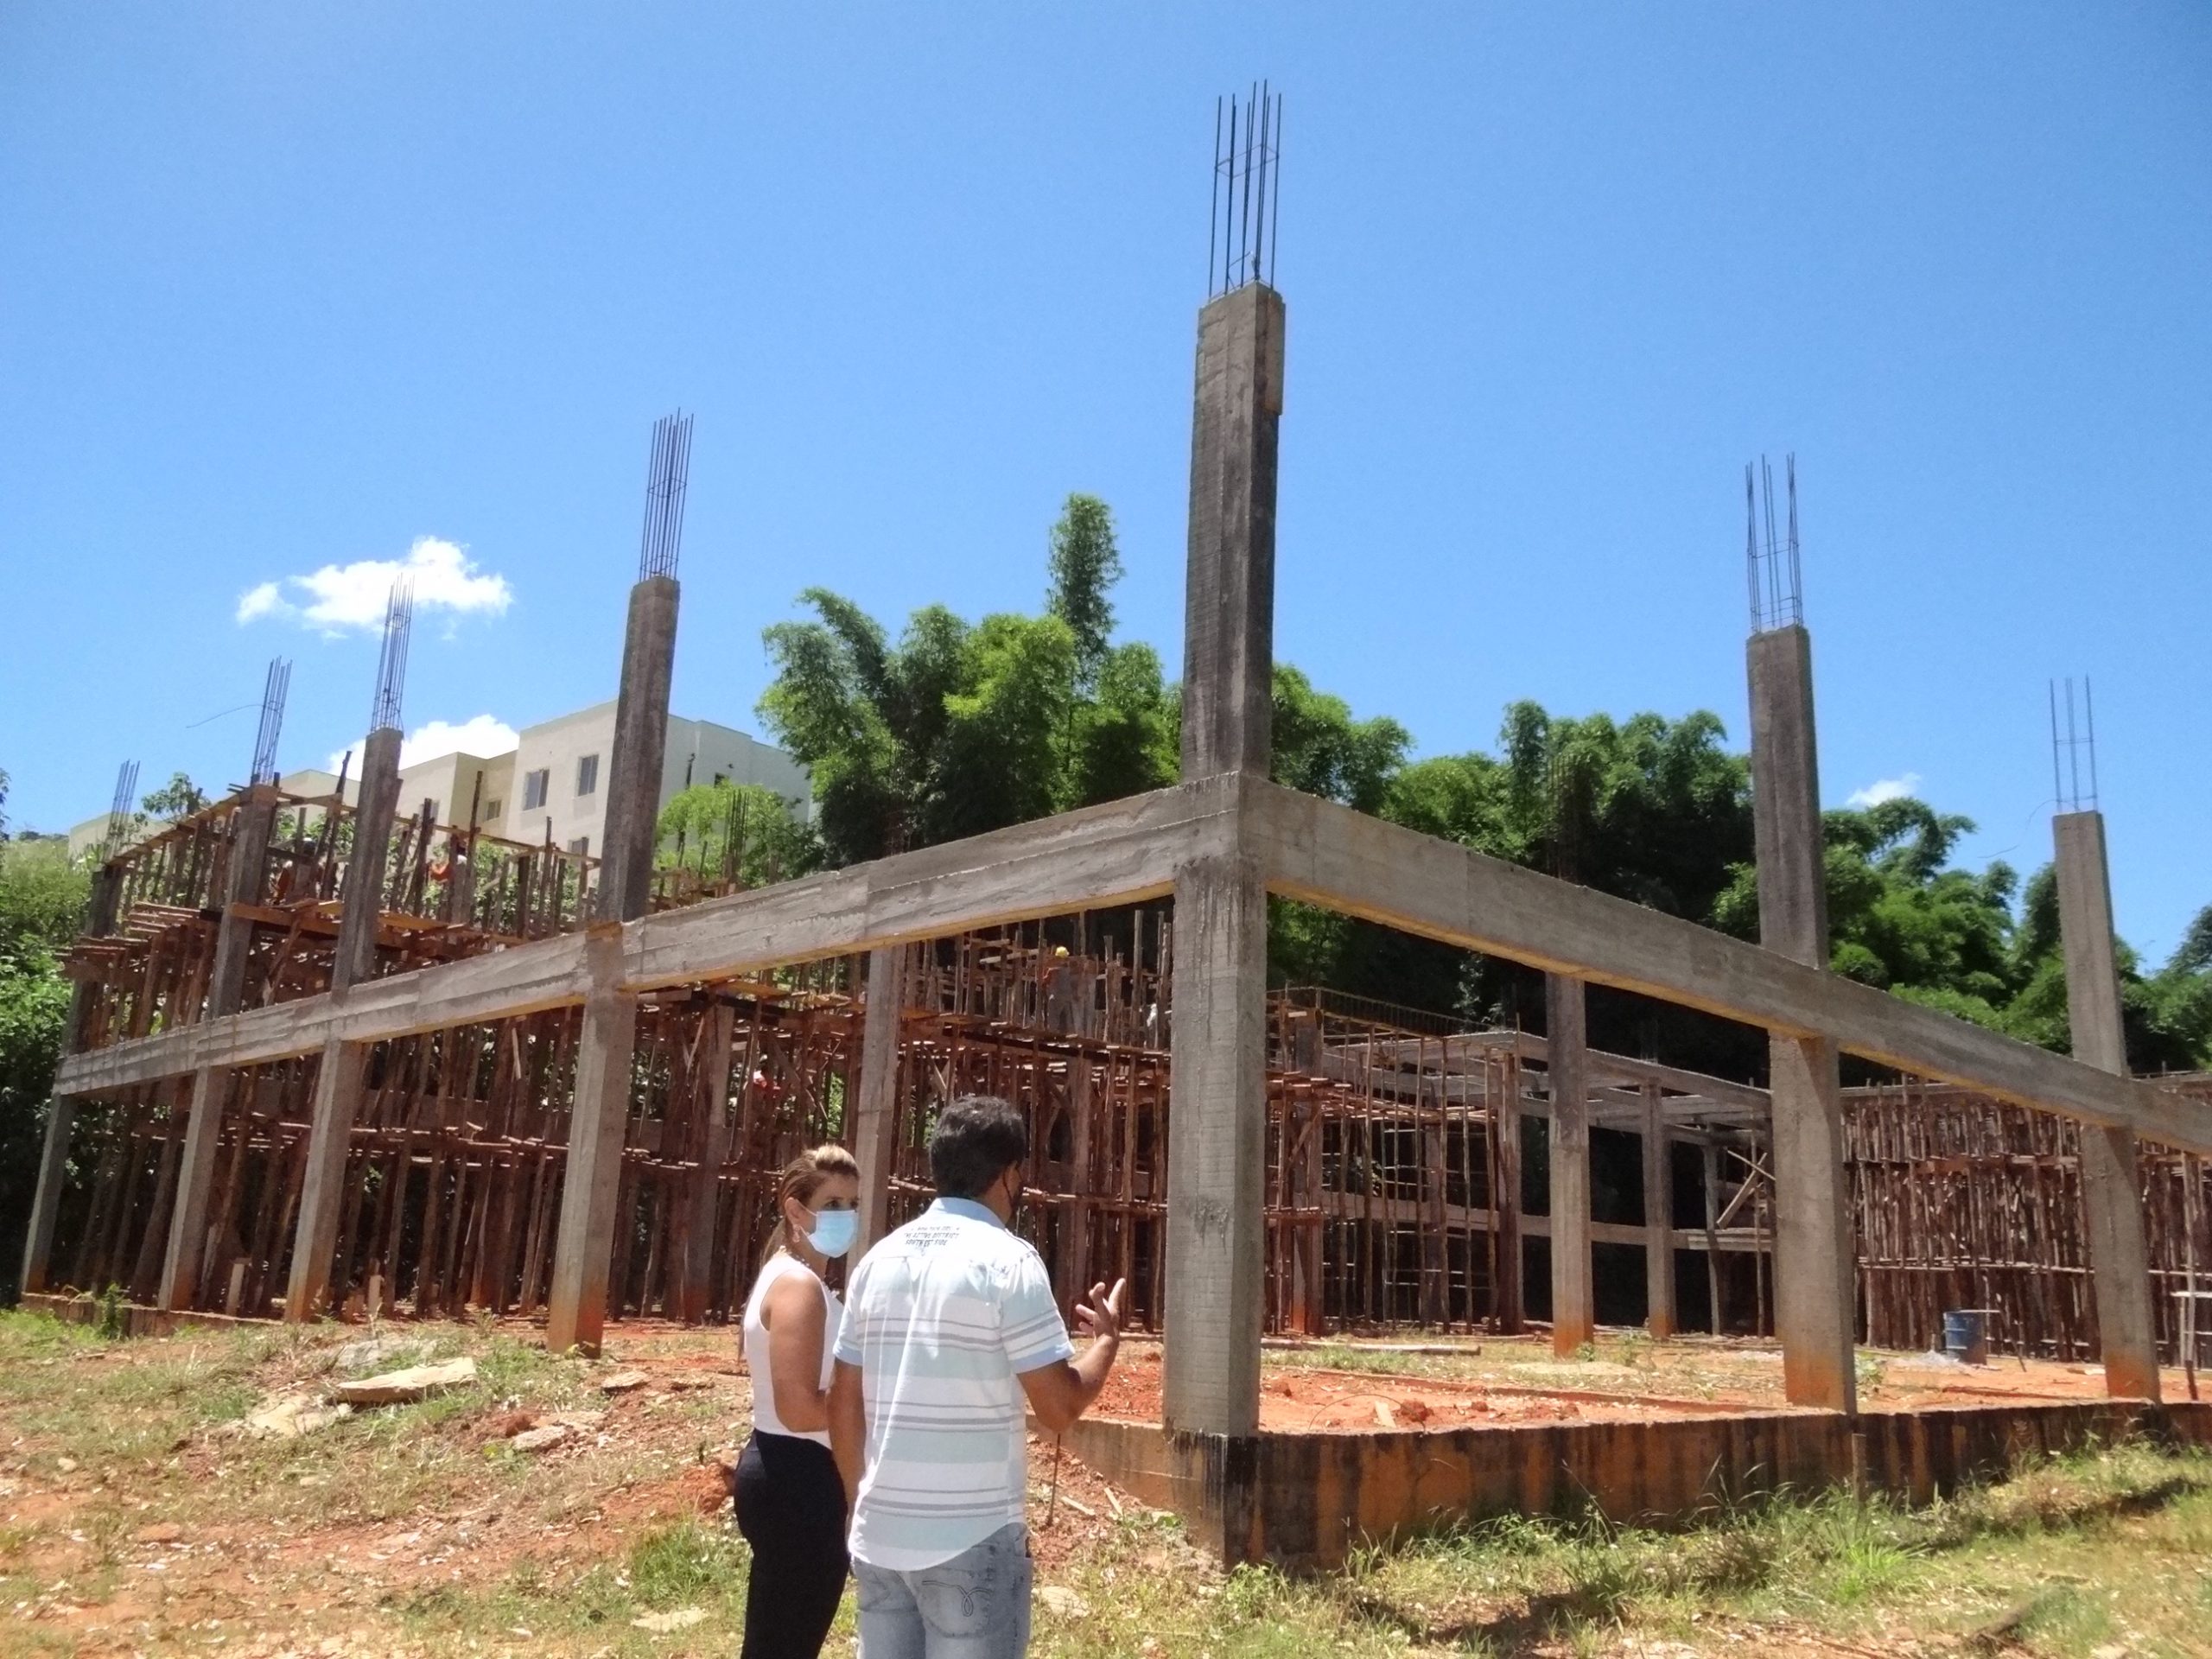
{"x": 1966, "y": 1335}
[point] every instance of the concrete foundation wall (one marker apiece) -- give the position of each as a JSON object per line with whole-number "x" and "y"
{"x": 1303, "y": 1502}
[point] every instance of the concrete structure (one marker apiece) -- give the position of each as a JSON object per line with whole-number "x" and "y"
{"x": 2111, "y": 1185}
{"x": 345, "y": 1065}
{"x": 1222, "y": 842}
{"x": 1217, "y": 1066}
{"x": 555, "y": 782}
{"x": 576, "y": 1307}
{"x": 560, "y": 782}
{"x": 180, "y": 1266}
{"x": 1573, "y": 1292}
{"x": 1813, "y": 1261}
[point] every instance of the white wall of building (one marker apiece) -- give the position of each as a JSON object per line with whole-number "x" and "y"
{"x": 565, "y": 755}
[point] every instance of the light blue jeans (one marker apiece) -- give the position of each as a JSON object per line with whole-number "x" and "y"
{"x": 974, "y": 1607}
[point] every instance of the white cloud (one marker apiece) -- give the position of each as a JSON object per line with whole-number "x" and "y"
{"x": 1886, "y": 789}
{"x": 341, "y": 596}
{"x": 483, "y": 736}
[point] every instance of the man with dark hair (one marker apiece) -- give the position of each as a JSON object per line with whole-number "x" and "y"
{"x": 942, "y": 1321}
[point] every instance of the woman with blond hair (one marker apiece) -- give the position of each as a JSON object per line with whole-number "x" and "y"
{"x": 790, "y": 1502}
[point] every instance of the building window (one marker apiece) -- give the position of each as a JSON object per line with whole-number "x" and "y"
{"x": 535, "y": 786}
{"x": 587, "y": 774}
{"x": 581, "y": 845}
{"x": 492, "y": 809}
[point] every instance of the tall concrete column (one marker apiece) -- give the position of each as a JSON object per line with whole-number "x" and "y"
{"x": 1216, "y": 1149}
{"x": 1812, "y": 1260}
{"x": 626, "y": 870}
{"x": 591, "y": 1189}
{"x": 250, "y": 830}
{"x": 873, "y": 1148}
{"x": 575, "y": 1302}
{"x": 339, "y": 1079}
{"x": 2112, "y": 1190}
{"x": 61, "y": 1109}
{"x": 1228, "y": 595}
{"x": 1658, "y": 1218}
{"x": 1216, "y": 1153}
{"x": 1566, "y": 1058}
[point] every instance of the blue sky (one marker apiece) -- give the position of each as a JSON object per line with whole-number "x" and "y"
{"x": 286, "y": 288}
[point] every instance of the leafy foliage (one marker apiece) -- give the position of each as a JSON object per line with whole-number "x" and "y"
{"x": 960, "y": 727}
{"x": 42, "y": 898}
{"x": 179, "y": 797}
{"x": 742, "y": 828}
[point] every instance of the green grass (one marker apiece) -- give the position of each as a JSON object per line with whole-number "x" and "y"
{"x": 2106, "y": 1549}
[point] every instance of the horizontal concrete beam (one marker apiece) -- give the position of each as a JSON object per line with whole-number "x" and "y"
{"x": 1330, "y": 855}
{"x": 1123, "y": 852}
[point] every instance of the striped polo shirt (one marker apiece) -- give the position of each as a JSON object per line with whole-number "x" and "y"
{"x": 942, "y": 1316}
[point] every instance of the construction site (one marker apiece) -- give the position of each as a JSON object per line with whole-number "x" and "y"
{"x": 345, "y": 1061}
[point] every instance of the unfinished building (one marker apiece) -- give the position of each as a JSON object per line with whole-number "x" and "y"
{"x": 327, "y": 1058}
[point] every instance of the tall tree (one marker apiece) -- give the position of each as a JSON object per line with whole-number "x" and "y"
{"x": 1085, "y": 564}
{"x": 41, "y": 902}
{"x": 179, "y": 797}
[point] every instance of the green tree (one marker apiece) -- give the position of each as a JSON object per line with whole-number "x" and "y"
{"x": 724, "y": 828}
{"x": 179, "y": 797}
{"x": 1085, "y": 564}
{"x": 41, "y": 902}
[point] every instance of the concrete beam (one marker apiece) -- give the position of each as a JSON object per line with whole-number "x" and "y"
{"x": 1328, "y": 855}
{"x": 2112, "y": 1186}
{"x": 1122, "y": 852}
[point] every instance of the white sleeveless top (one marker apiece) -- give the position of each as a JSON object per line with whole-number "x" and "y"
{"x": 764, "y": 1419}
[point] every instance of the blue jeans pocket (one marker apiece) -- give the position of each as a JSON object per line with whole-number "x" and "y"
{"x": 980, "y": 1594}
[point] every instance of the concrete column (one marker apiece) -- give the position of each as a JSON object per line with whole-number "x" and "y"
{"x": 61, "y": 1110}
{"x": 2112, "y": 1190}
{"x": 337, "y": 1086}
{"x": 1216, "y": 1147}
{"x": 1566, "y": 1060}
{"x": 1228, "y": 596}
{"x": 591, "y": 1189}
{"x": 633, "y": 777}
{"x": 598, "y": 1121}
{"x": 356, "y": 957}
{"x": 338, "y": 1080}
{"x": 1658, "y": 1218}
{"x": 1812, "y": 1260}
{"x": 1217, "y": 1138}
{"x": 873, "y": 1124}
{"x": 46, "y": 1202}
{"x": 250, "y": 836}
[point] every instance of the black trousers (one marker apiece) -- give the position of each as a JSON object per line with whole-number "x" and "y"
{"x": 791, "y": 1507}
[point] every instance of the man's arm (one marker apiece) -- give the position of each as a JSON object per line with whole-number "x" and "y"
{"x": 1062, "y": 1390}
{"x": 848, "y": 1427}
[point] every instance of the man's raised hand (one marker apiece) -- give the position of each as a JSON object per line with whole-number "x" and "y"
{"x": 1100, "y": 1312}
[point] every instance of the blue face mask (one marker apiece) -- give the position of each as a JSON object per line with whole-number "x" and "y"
{"x": 835, "y": 1230}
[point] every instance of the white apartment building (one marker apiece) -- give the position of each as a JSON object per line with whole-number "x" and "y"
{"x": 554, "y": 781}
{"x": 560, "y": 772}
